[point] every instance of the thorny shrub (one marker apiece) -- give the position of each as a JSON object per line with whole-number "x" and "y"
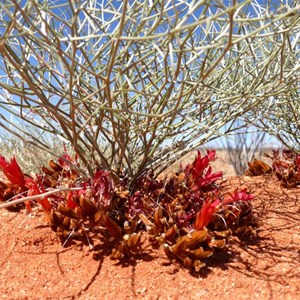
{"x": 189, "y": 214}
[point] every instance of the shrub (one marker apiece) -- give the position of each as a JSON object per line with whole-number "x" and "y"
{"x": 133, "y": 86}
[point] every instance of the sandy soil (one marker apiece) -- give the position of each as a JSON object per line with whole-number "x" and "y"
{"x": 34, "y": 265}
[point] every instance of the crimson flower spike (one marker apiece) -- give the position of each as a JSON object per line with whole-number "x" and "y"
{"x": 242, "y": 195}
{"x": 12, "y": 171}
{"x": 200, "y": 163}
{"x": 206, "y": 213}
{"x": 35, "y": 189}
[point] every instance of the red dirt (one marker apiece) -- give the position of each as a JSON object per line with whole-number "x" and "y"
{"x": 34, "y": 265}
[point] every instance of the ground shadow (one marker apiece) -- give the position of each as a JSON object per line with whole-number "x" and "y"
{"x": 261, "y": 258}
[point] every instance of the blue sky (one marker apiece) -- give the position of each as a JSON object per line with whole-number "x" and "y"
{"x": 119, "y": 3}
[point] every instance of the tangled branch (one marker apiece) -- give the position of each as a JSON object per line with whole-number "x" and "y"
{"x": 134, "y": 85}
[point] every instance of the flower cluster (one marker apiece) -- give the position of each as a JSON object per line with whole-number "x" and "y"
{"x": 188, "y": 214}
{"x": 286, "y": 166}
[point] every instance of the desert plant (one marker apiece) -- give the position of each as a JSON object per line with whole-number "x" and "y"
{"x": 244, "y": 145}
{"x": 286, "y": 166}
{"x": 120, "y": 80}
{"x": 257, "y": 168}
{"x": 188, "y": 214}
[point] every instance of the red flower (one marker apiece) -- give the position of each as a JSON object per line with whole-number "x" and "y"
{"x": 70, "y": 203}
{"x": 197, "y": 168}
{"x": 208, "y": 178}
{"x": 12, "y": 171}
{"x": 211, "y": 155}
{"x": 242, "y": 195}
{"x": 206, "y": 213}
{"x": 66, "y": 161}
{"x": 200, "y": 170}
{"x": 35, "y": 189}
{"x": 102, "y": 185}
